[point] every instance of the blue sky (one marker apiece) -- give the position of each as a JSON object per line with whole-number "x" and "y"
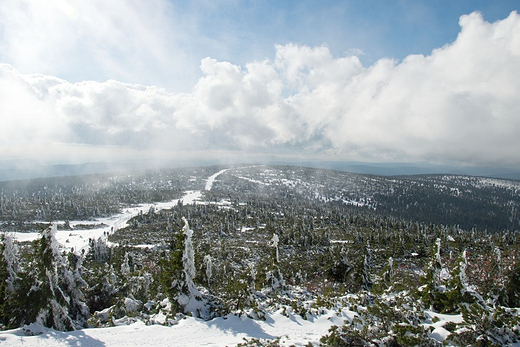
{"x": 184, "y": 32}
{"x": 376, "y": 81}
{"x": 378, "y": 28}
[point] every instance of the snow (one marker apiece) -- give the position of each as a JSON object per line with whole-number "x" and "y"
{"x": 341, "y": 241}
{"x": 440, "y": 334}
{"x": 132, "y": 305}
{"x": 211, "y": 179}
{"x": 455, "y": 318}
{"x": 77, "y": 239}
{"x": 353, "y": 203}
{"x": 222, "y": 331}
{"x": 190, "y": 197}
{"x": 253, "y": 181}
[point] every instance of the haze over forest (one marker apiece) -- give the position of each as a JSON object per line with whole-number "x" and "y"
{"x": 418, "y": 86}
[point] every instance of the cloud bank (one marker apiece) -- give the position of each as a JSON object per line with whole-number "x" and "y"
{"x": 78, "y": 40}
{"x": 457, "y": 105}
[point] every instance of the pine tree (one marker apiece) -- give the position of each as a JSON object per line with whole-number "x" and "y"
{"x": 102, "y": 287}
{"x": 98, "y": 251}
{"x": 170, "y": 275}
{"x": 431, "y": 279}
{"x": 274, "y": 277}
{"x": 208, "y": 261}
{"x": 74, "y": 287}
{"x": 366, "y": 274}
{"x": 50, "y": 301}
{"x": 510, "y": 295}
{"x": 459, "y": 292}
{"x": 178, "y": 270}
{"x": 9, "y": 281}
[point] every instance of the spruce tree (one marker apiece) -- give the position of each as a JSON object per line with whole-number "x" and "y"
{"x": 74, "y": 286}
{"x": 178, "y": 270}
{"x": 431, "y": 279}
{"x": 9, "y": 282}
{"x": 51, "y": 303}
{"x": 459, "y": 292}
{"x": 4, "y": 302}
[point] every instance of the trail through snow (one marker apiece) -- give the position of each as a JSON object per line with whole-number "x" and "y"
{"x": 77, "y": 239}
{"x": 211, "y": 179}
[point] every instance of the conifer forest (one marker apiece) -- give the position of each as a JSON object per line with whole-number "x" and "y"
{"x": 425, "y": 260}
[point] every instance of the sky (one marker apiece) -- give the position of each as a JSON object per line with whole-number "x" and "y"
{"x": 434, "y": 82}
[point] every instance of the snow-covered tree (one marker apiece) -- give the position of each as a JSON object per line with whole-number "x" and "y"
{"x": 74, "y": 286}
{"x": 103, "y": 288}
{"x": 50, "y": 301}
{"x": 208, "y": 261}
{"x": 9, "y": 280}
{"x": 189, "y": 290}
{"x": 178, "y": 273}
{"x": 9, "y": 253}
{"x": 274, "y": 278}
{"x": 274, "y": 243}
{"x": 98, "y": 250}
{"x": 125, "y": 267}
{"x": 431, "y": 279}
{"x": 458, "y": 291}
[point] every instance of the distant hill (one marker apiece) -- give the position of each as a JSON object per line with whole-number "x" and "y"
{"x": 16, "y": 171}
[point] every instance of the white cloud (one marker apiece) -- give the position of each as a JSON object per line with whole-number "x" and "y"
{"x": 457, "y": 105}
{"x": 124, "y": 40}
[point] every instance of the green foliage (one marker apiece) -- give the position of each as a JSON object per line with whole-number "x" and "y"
{"x": 387, "y": 320}
{"x": 487, "y": 326}
{"x": 102, "y": 288}
{"x": 412, "y": 335}
{"x": 342, "y": 337}
{"x": 510, "y": 295}
{"x": 51, "y": 302}
{"x": 237, "y": 294}
{"x": 171, "y": 275}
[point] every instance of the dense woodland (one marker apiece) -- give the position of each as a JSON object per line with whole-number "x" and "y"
{"x": 393, "y": 250}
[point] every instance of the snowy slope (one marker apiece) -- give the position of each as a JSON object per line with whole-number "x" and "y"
{"x": 222, "y": 331}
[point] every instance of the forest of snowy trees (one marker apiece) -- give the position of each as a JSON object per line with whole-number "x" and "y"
{"x": 271, "y": 238}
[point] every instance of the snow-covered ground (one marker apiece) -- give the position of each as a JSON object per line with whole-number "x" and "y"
{"x": 211, "y": 179}
{"x": 77, "y": 238}
{"x": 291, "y": 329}
{"x": 221, "y": 331}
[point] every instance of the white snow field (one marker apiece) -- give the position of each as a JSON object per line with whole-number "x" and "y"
{"x": 221, "y": 331}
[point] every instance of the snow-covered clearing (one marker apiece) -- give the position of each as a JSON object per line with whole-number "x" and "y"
{"x": 211, "y": 179}
{"x": 253, "y": 181}
{"x": 77, "y": 238}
